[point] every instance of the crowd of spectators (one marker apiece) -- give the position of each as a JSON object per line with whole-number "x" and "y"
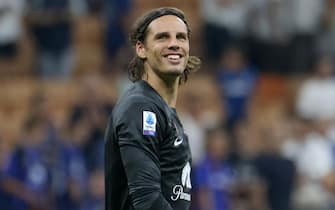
{"x": 246, "y": 155}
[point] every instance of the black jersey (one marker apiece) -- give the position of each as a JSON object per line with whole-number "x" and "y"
{"x": 147, "y": 154}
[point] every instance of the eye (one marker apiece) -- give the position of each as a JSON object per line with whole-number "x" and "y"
{"x": 161, "y": 36}
{"x": 182, "y": 36}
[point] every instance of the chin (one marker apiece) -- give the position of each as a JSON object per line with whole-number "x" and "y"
{"x": 176, "y": 72}
{"x": 172, "y": 74}
{"x": 176, "y": 69}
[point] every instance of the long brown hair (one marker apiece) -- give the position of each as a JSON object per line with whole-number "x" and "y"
{"x": 139, "y": 33}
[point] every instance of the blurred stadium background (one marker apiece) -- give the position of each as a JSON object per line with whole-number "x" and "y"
{"x": 260, "y": 114}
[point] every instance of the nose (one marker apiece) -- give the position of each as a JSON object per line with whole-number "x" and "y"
{"x": 174, "y": 47}
{"x": 173, "y": 44}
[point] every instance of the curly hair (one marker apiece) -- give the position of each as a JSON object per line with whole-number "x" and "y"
{"x": 139, "y": 33}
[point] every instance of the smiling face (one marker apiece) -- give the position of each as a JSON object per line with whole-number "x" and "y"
{"x": 166, "y": 48}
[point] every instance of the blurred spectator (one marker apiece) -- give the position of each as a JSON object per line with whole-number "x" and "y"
{"x": 95, "y": 6}
{"x": 270, "y": 32}
{"x": 327, "y": 34}
{"x": 329, "y": 185}
{"x": 277, "y": 172}
{"x": 250, "y": 191}
{"x": 95, "y": 197}
{"x": 306, "y": 19}
{"x": 214, "y": 177}
{"x": 92, "y": 107}
{"x": 237, "y": 81}
{"x": 11, "y": 12}
{"x": 314, "y": 163}
{"x": 28, "y": 177}
{"x": 51, "y": 25}
{"x": 309, "y": 143}
{"x": 297, "y": 130}
{"x": 316, "y": 95}
{"x": 194, "y": 127}
{"x": 72, "y": 166}
{"x": 39, "y": 107}
{"x": 116, "y": 35}
{"x": 5, "y": 193}
{"x": 224, "y": 21}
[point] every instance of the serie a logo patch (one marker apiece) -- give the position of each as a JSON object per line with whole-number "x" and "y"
{"x": 149, "y": 123}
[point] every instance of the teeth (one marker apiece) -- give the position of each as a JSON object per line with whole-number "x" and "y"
{"x": 173, "y": 56}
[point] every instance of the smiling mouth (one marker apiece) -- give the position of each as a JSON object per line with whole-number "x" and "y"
{"x": 174, "y": 58}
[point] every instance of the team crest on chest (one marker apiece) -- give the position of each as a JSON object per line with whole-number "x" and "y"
{"x": 149, "y": 123}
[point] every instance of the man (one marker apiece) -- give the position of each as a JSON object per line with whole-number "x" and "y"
{"x": 11, "y": 12}
{"x": 51, "y": 23}
{"x": 147, "y": 154}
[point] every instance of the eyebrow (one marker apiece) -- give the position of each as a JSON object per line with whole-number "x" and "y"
{"x": 161, "y": 34}
{"x": 182, "y": 34}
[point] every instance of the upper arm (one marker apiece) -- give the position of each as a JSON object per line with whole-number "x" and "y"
{"x": 139, "y": 132}
{"x": 141, "y": 126}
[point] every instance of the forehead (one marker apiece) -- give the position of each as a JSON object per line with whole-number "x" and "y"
{"x": 167, "y": 23}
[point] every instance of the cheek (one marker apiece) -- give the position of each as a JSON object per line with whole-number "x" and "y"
{"x": 155, "y": 59}
{"x": 154, "y": 54}
{"x": 186, "y": 47}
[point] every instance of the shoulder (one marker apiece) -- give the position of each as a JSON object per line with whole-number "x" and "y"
{"x": 136, "y": 107}
{"x": 139, "y": 95}
{"x": 133, "y": 102}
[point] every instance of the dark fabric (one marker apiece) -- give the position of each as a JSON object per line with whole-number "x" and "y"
{"x": 279, "y": 175}
{"x": 116, "y": 11}
{"x": 54, "y": 37}
{"x": 303, "y": 53}
{"x": 216, "y": 40}
{"x": 5, "y": 197}
{"x": 143, "y": 163}
{"x": 116, "y": 38}
{"x": 8, "y": 50}
{"x": 92, "y": 148}
{"x": 269, "y": 57}
{"x": 160, "y": 203}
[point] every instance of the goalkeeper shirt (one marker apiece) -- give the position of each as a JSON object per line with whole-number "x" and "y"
{"x": 147, "y": 154}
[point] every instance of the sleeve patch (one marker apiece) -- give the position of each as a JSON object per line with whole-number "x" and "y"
{"x": 149, "y": 123}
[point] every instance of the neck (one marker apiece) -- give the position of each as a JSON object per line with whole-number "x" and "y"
{"x": 167, "y": 89}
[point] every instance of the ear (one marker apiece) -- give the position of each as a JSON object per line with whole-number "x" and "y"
{"x": 140, "y": 50}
